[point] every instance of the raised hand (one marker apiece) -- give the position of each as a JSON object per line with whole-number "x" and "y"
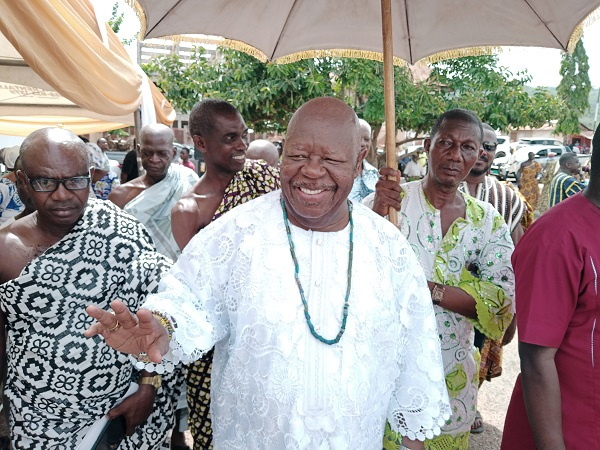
{"x": 128, "y": 332}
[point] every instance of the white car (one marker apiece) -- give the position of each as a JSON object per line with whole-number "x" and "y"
{"x": 523, "y": 142}
{"x": 115, "y": 158}
{"x": 505, "y": 166}
{"x": 503, "y": 144}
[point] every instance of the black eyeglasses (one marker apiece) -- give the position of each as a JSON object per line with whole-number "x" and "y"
{"x": 41, "y": 184}
{"x": 489, "y": 146}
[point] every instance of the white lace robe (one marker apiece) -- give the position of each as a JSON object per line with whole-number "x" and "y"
{"x": 273, "y": 384}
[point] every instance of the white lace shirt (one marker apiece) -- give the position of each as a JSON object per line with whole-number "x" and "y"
{"x": 274, "y": 385}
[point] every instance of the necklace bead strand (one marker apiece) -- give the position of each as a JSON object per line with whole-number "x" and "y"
{"x": 301, "y": 290}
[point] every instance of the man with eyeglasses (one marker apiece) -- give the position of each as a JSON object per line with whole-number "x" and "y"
{"x": 68, "y": 253}
{"x": 151, "y": 197}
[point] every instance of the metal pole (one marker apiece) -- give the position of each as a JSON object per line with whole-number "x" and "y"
{"x": 388, "y": 90}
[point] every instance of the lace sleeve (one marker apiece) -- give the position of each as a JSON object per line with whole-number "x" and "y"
{"x": 419, "y": 404}
{"x": 192, "y": 295}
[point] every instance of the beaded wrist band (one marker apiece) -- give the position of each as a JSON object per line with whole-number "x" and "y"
{"x": 165, "y": 322}
{"x": 142, "y": 357}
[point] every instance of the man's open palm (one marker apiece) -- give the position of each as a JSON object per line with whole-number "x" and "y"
{"x": 133, "y": 333}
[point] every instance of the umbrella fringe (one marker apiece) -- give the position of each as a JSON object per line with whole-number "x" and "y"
{"x": 345, "y": 53}
{"x": 336, "y": 53}
{"x": 578, "y": 32}
{"x": 461, "y": 52}
{"x": 219, "y": 41}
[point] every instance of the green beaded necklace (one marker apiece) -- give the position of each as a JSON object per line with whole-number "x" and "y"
{"x": 297, "y": 271}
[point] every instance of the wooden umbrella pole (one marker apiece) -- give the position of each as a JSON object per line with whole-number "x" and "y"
{"x": 388, "y": 92}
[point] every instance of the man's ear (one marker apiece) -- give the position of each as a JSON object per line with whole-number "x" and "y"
{"x": 427, "y": 144}
{"x": 359, "y": 162}
{"x": 21, "y": 176}
{"x": 199, "y": 143}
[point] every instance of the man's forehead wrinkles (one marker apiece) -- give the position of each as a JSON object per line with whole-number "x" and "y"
{"x": 297, "y": 145}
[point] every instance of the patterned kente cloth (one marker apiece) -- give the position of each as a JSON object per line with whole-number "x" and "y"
{"x": 529, "y": 183}
{"x": 60, "y": 382}
{"x": 256, "y": 179}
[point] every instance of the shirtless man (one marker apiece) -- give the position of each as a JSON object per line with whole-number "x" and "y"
{"x": 151, "y": 197}
{"x": 220, "y": 133}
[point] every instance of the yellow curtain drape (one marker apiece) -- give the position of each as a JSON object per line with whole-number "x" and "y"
{"x": 25, "y": 125}
{"x": 61, "y": 41}
{"x": 165, "y": 113}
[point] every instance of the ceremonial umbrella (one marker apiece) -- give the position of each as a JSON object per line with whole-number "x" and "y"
{"x": 288, "y": 30}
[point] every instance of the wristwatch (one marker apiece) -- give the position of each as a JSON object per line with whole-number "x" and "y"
{"x": 437, "y": 294}
{"x": 154, "y": 381}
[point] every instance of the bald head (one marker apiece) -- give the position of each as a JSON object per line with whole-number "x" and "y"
{"x": 49, "y": 158}
{"x": 321, "y": 159}
{"x": 48, "y": 140}
{"x": 329, "y": 118}
{"x": 157, "y": 130}
{"x": 364, "y": 125}
{"x": 365, "y": 135}
{"x": 156, "y": 150}
{"x": 265, "y": 150}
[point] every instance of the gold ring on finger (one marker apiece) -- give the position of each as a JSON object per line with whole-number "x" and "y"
{"x": 115, "y": 327}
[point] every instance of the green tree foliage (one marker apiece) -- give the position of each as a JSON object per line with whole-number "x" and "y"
{"x": 267, "y": 94}
{"x": 574, "y": 89}
{"x": 116, "y": 19}
{"x": 115, "y": 22}
{"x": 497, "y": 95}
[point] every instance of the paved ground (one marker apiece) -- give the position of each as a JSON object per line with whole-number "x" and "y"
{"x": 493, "y": 401}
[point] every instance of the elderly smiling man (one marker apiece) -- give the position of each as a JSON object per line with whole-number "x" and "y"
{"x": 305, "y": 355}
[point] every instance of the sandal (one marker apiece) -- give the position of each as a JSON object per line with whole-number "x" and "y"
{"x": 477, "y": 426}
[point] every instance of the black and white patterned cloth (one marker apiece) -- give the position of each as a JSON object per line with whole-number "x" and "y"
{"x": 60, "y": 382}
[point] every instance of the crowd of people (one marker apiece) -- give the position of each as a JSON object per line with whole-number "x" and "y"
{"x": 270, "y": 304}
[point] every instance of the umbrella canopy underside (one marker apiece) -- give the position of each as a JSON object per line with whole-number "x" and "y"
{"x": 288, "y": 30}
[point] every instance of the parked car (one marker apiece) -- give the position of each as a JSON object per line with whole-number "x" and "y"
{"x": 503, "y": 149}
{"x": 538, "y": 141}
{"x": 116, "y": 160}
{"x": 503, "y": 144}
{"x": 506, "y": 165}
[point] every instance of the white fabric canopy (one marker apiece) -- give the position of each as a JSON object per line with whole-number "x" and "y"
{"x": 421, "y": 28}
